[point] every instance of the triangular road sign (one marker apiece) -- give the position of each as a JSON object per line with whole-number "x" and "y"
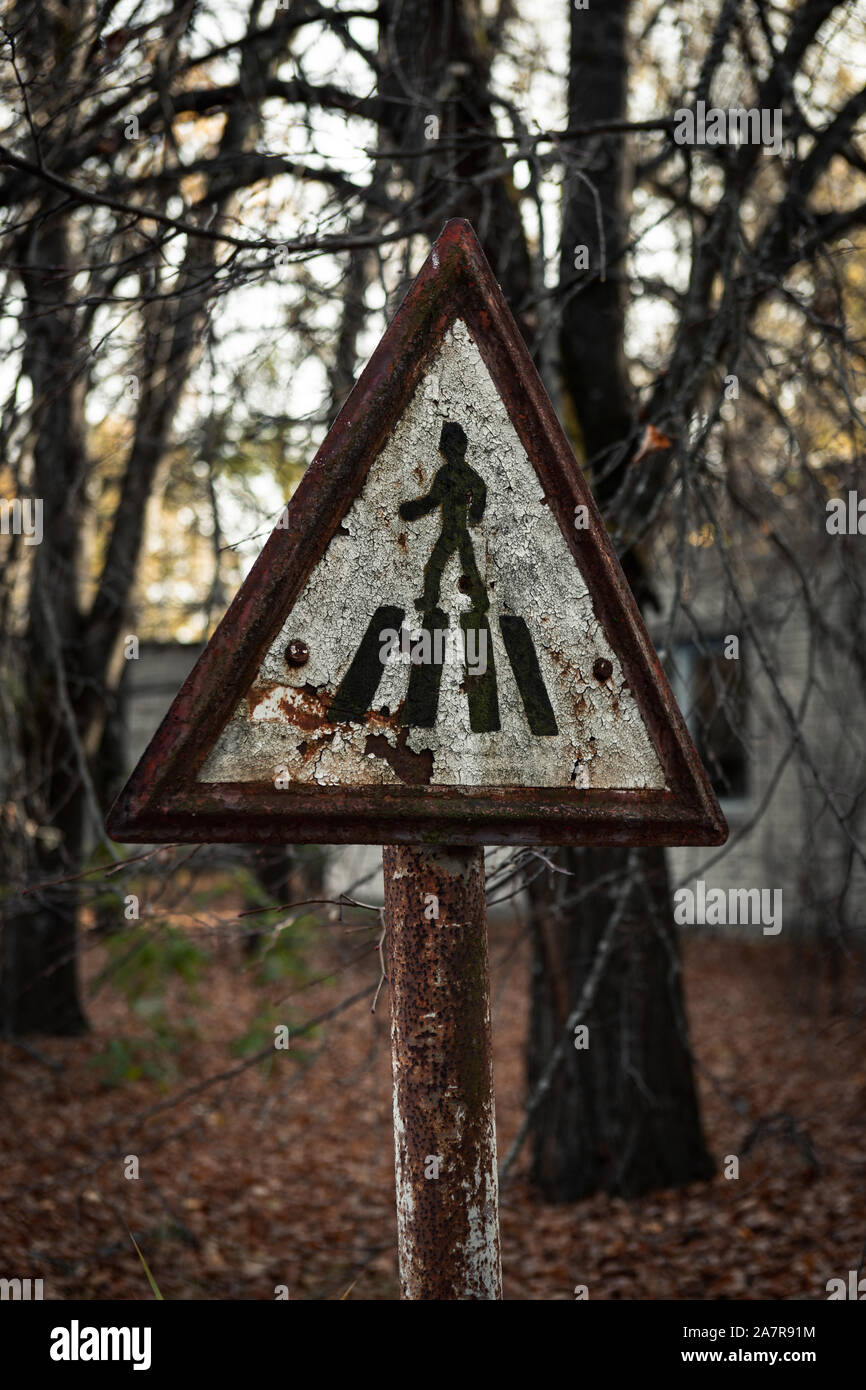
{"x": 437, "y": 643}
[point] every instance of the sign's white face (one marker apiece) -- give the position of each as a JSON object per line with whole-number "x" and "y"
{"x": 480, "y": 560}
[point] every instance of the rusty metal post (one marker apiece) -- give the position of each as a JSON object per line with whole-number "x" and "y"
{"x": 444, "y": 1130}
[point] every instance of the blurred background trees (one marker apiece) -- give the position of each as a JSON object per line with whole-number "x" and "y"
{"x": 208, "y": 214}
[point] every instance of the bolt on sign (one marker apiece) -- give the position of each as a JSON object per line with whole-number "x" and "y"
{"x": 437, "y": 642}
{"x": 436, "y": 650}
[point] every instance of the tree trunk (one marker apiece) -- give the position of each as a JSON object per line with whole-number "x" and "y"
{"x": 622, "y": 1113}
{"x": 434, "y": 86}
{"x": 70, "y": 654}
{"x": 40, "y": 989}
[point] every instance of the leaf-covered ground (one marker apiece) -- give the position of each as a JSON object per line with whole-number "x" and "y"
{"x": 285, "y": 1176}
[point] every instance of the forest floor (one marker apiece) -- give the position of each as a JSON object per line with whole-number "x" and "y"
{"x": 254, "y": 1175}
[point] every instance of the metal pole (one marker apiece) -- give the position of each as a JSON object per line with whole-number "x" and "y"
{"x": 444, "y": 1130}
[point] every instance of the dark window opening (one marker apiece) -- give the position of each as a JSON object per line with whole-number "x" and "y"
{"x": 712, "y": 693}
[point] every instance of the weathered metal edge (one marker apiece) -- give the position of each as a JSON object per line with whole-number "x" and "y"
{"x": 496, "y": 818}
{"x": 162, "y": 801}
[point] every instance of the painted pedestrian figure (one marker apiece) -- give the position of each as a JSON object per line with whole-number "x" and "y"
{"x": 461, "y": 493}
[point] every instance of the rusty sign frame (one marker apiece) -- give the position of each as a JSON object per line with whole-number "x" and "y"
{"x": 163, "y": 802}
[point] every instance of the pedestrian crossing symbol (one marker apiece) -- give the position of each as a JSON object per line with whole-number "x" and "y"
{"x": 460, "y": 494}
{"x": 428, "y": 646}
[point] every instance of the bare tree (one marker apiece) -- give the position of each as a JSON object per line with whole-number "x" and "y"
{"x": 85, "y": 198}
{"x": 156, "y": 172}
{"x": 622, "y": 1115}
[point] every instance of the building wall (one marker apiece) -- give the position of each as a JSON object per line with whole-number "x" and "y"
{"x": 783, "y": 834}
{"x": 149, "y": 686}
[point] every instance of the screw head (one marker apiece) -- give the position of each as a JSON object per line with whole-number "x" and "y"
{"x": 602, "y": 669}
{"x": 297, "y": 653}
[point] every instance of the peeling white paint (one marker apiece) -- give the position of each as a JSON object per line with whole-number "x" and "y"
{"x": 481, "y": 1256}
{"x": 528, "y": 571}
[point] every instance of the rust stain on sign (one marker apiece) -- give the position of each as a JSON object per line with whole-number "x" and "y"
{"x": 437, "y": 642}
